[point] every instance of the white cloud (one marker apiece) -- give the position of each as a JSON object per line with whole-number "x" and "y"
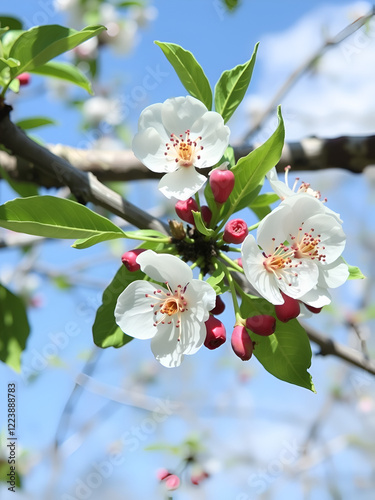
{"x": 337, "y": 98}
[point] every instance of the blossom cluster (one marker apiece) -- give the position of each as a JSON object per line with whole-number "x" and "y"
{"x": 292, "y": 261}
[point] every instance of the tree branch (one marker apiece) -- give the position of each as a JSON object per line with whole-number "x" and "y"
{"x": 84, "y": 185}
{"x": 353, "y": 154}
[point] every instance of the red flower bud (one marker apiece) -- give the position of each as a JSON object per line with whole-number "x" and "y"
{"x": 239, "y": 262}
{"x": 289, "y": 310}
{"x": 184, "y": 209}
{"x": 262, "y": 324}
{"x": 222, "y": 184}
{"x": 315, "y": 310}
{"x": 24, "y": 78}
{"x": 219, "y": 306}
{"x": 216, "y": 334}
{"x": 129, "y": 259}
{"x": 235, "y": 231}
{"x": 172, "y": 482}
{"x": 206, "y": 214}
{"x": 198, "y": 478}
{"x": 241, "y": 342}
{"x": 162, "y": 474}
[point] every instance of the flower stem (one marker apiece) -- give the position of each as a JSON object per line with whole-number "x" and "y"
{"x": 198, "y": 201}
{"x": 254, "y": 226}
{"x": 232, "y": 288}
{"x": 231, "y": 262}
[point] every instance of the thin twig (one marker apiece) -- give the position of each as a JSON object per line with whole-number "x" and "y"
{"x": 303, "y": 68}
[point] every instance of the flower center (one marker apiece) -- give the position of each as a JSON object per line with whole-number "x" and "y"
{"x": 168, "y": 304}
{"x": 183, "y": 151}
{"x": 306, "y": 245}
{"x": 280, "y": 263}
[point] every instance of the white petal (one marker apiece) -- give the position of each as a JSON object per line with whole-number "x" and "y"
{"x": 280, "y": 188}
{"x": 193, "y": 334}
{"x": 201, "y": 298}
{"x": 149, "y": 147}
{"x": 215, "y": 138}
{"x": 165, "y": 268}
{"x": 316, "y": 297}
{"x": 166, "y": 347}
{"x": 306, "y": 279}
{"x": 273, "y": 229}
{"x": 182, "y": 184}
{"x": 179, "y": 114}
{"x": 333, "y": 275}
{"x": 263, "y": 281}
{"x": 151, "y": 117}
{"x": 133, "y": 312}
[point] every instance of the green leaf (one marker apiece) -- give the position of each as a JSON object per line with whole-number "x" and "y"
{"x": 134, "y": 3}
{"x": 11, "y": 23}
{"x": 287, "y": 353}
{"x": 105, "y": 330}
{"x": 199, "y": 224}
{"x": 35, "y": 122}
{"x": 4, "y": 471}
{"x": 139, "y": 234}
{"x": 39, "y": 45}
{"x": 14, "y": 328}
{"x": 8, "y": 40}
{"x": 189, "y": 72}
{"x": 232, "y": 86}
{"x": 250, "y": 170}
{"x": 54, "y": 218}
{"x": 64, "y": 71}
{"x": 216, "y": 280}
{"x": 24, "y": 189}
{"x": 98, "y": 238}
{"x": 355, "y": 273}
{"x": 261, "y": 205}
{"x": 10, "y": 62}
{"x": 265, "y": 199}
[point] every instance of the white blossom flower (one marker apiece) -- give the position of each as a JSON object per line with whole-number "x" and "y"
{"x": 174, "y": 315}
{"x": 301, "y": 245}
{"x": 99, "y": 108}
{"x": 176, "y": 137}
{"x": 283, "y": 190}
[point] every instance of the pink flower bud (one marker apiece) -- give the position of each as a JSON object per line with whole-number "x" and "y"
{"x": 216, "y": 334}
{"x": 241, "y": 342}
{"x": 206, "y": 214}
{"x": 222, "y": 184}
{"x": 129, "y": 259}
{"x": 24, "y": 78}
{"x": 235, "y": 231}
{"x": 289, "y": 310}
{"x": 184, "y": 209}
{"x": 219, "y": 306}
{"x": 172, "y": 482}
{"x": 239, "y": 262}
{"x": 314, "y": 310}
{"x": 198, "y": 478}
{"x": 162, "y": 474}
{"x": 261, "y": 324}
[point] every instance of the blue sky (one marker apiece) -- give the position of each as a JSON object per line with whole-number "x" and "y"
{"x": 266, "y": 412}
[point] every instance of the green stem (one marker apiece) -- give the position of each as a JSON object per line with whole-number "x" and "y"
{"x": 198, "y": 201}
{"x": 254, "y": 226}
{"x": 232, "y": 288}
{"x": 231, "y": 262}
{"x": 147, "y": 238}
